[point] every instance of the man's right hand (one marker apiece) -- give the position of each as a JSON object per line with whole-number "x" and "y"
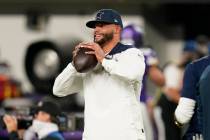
{"x": 11, "y": 123}
{"x": 80, "y": 45}
{"x": 76, "y": 49}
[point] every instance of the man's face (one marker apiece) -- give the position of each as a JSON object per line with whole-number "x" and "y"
{"x": 103, "y": 33}
{"x": 43, "y": 116}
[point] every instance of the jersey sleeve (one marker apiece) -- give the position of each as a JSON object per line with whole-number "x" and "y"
{"x": 68, "y": 82}
{"x": 129, "y": 65}
{"x": 189, "y": 89}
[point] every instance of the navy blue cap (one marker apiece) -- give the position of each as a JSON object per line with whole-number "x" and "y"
{"x": 49, "y": 107}
{"x": 190, "y": 46}
{"x": 106, "y": 16}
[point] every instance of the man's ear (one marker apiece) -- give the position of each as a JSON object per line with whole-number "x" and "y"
{"x": 117, "y": 29}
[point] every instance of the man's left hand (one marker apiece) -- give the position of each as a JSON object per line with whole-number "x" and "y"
{"x": 97, "y": 50}
{"x": 11, "y": 123}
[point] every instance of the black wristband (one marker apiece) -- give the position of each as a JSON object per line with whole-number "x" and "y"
{"x": 177, "y": 123}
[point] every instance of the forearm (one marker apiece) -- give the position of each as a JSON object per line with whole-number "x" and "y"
{"x": 67, "y": 82}
{"x": 156, "y": 76}
{"x": 184, "y": 110}
{"x": 172, "y": 93}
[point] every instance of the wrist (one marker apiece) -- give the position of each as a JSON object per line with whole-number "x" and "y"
{"x": 101, "y": 59}
{"x": 177, "y": 123}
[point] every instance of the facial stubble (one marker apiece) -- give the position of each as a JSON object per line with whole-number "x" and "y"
{"x": 106, "y": 38}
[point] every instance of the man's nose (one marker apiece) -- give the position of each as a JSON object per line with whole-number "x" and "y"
{"x": 97, "y": 28}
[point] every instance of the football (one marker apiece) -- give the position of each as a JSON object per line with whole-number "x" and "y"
{"x": 84, "y": 62}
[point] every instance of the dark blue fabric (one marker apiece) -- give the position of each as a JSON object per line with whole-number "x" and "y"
{"x": 120, "y": 48}
{"x": 54, "y": 136}
{"x": 204, "y": 89}
{"x": 189, "y": 136}
{"x": 107, "y": 16}
{"x": 190, "y": 90}
{"x": 13, "y": 135}
{"x": 192, "y": 75}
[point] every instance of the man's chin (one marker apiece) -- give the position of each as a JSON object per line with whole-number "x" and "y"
{"x": 100, "y": 42}
{"x": 98, "y": 39}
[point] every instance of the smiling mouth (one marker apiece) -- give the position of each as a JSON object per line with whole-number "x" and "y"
{"x": 97, "y": 36}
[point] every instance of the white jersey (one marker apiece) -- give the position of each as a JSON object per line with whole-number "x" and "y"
{"x": 111, "y": 92}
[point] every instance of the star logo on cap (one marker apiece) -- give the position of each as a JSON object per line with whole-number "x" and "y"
{"x": 115, "y": 20}
{"x": 99, "y": 15}
{"x": 40, "y": 104}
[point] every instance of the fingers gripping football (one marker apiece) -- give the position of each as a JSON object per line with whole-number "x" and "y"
{"x": 82, "y": 61}
{"x": 96, "y": 50}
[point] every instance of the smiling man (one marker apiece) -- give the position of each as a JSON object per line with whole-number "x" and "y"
{"x": 111, "y": 89}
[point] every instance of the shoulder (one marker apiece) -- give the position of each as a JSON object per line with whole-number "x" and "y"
{"x": 202, "y": 61}
{"x": 119, "y": 48}
{"x": 131, "y": 49}
{"x": 132, "y": 52}
{"x": 199, "y": 65}
{"x": 125, "y": 50}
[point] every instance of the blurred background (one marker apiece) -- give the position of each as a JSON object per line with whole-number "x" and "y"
{"x": 37, "y": 38}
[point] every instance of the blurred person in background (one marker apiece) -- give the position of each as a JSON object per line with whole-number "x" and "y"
{"x": 174, "y": 71}
{"x": 133, "y": 35}
{"x": 9, "y": 87}
{"x": 45, "y": 124}
{"x": 168, "y": 101}
{"x": 202, "y": 43}
{"x": 189, "y": 109}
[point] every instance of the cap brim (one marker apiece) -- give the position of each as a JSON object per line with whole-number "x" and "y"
{"x": 92, "y": 23}
{"x": 37, "y": 109}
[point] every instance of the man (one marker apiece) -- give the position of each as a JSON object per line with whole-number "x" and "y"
{"x": 204, "y": 89}
{"x": 202, "y": 49}
{"x": 44, "y": 124}
{"x": 111, "y": 90}
{"x": 189, "y": 109}
{"x": 172, "y": 91}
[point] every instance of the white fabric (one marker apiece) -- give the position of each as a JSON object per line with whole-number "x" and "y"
{"x": 159, "y": 123}
{"x": 29, "y": 134}
{"x": 184, "y": 110}
{"x": 111, "y": 93}
{"x": 147, "y": 122}
{"x": 43, "y": 128}
{"x": 173, "y": 76}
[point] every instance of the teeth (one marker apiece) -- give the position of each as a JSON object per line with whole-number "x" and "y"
{"x": 97, "y": 35}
